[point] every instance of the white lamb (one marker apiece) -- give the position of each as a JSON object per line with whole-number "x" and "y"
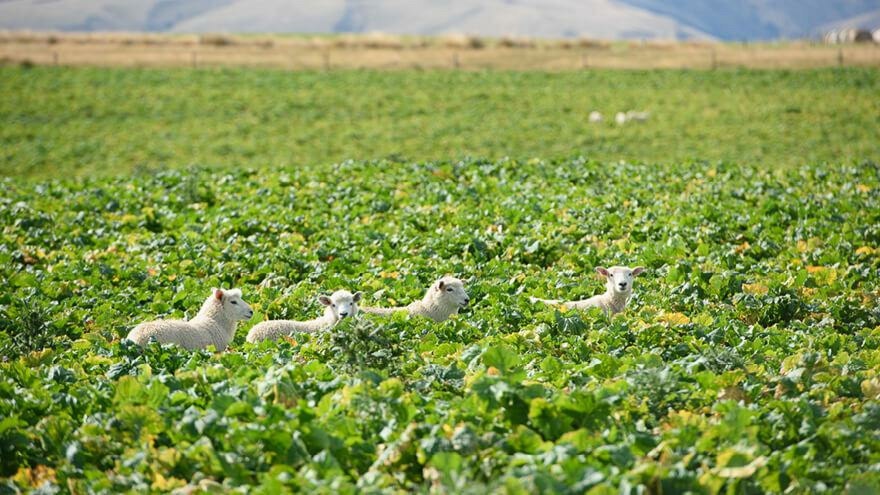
{"x": 595, "y": 117}
{"x": 213, "y": 325}
{"x": 618, "y": 290}
{"x": 339, "y": 305}
{"x": 631, "y": 116}
{"x": 636, "y": 116}
{"x": 443, "y": 299}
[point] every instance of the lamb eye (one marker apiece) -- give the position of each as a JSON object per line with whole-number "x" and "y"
{"x": 233, "y": 302}
{"x": 333, "y": 305}
{"x": 448, "y": 290}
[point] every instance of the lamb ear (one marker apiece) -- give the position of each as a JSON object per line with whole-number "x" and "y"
{"x": 441, "y": 285}
{"x": 603, "y": 271}
{"x": 325, "y": 300}
{"x": 357, "y": 296}
{"x": 638, "y": 271}
{"x": 218, "y": 293}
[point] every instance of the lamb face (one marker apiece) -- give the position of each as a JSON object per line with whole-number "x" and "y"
{"x": 619, "y": 279}
{"x": 450, "y": 291}
{"x": 233, "y": 305}
{"x": 342, "y": 304}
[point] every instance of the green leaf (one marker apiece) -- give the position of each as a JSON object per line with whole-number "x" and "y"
{"x": 502, "y": 358}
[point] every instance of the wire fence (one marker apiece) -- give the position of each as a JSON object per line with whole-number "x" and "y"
{"x": 302, "y": 55}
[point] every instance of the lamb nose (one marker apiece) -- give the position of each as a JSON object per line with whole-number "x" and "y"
{"x": 343, "y": 314}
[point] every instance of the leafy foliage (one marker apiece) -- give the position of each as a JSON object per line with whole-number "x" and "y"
{"x": 748, "y": 360}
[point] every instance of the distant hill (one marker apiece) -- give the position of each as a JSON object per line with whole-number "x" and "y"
{"x": 609, "y": 19}
{"x": 762, "y": 19}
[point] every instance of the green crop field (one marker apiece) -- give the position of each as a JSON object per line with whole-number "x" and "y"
{"x": 746, "y": 362}
{"x": 56, "y": 121}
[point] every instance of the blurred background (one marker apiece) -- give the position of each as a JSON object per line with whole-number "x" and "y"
{"x": 319, "y": 82}
{"x": 499, "y": 34}
{"x": 605, "y": 19}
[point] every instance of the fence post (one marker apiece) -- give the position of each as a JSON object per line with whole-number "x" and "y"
{"x": 55, "y": 58}
{"x": 840, "y": 57}
{"x": 455, "y": 62}
{"x": 194, "y": 59}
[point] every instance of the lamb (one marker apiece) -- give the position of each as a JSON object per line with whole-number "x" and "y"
{"x": 443, "y": 299}
{"x": 618, "y": 290}
{"x": 631, "y": 116}
{"x": 213, "y": 325}
{"x": 595, "y": 117}
{"x": 636, "y": 116}
{"x": 338, "y": 306}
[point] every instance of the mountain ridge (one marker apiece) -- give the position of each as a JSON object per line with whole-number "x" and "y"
{"x": 608, "y": 19}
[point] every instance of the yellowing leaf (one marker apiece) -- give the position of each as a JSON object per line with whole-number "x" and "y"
{"x": 865, "y": 251}
{"x": 823, "y": 274}
{"x": 862, "y": 188}
{"x": 683, "y": 414}
{"x": 34, "y": 477}
{"x": 492, "y": 371}
{"x": 808, "y": 292}
{"x": 169, "y": 456}
{"x": 162, "y": 483}
{"x": 674, "y": 319}
{"x": 871, "y": 388}
{"x": 755, "y": 289}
